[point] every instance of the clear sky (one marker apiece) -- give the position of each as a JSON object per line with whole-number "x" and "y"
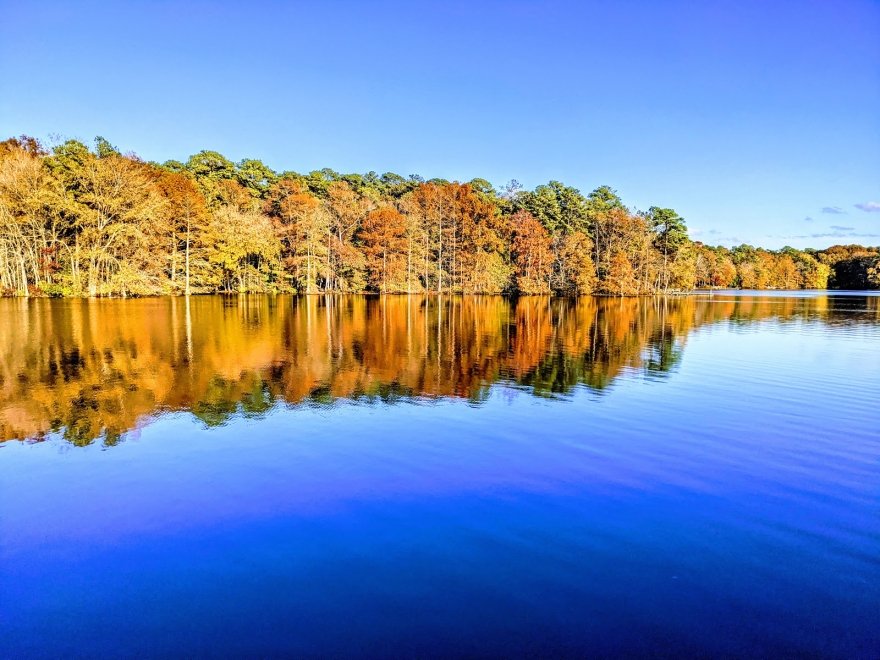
{"x": 759, "y": 121}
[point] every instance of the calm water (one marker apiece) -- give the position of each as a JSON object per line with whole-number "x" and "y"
{"x": 483, "y": 477}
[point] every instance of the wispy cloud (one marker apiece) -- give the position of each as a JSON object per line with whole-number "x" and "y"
{"x": 837, "y": 232}
{"x": 869, "y": 207}
{"x": 808, "y": 219}
{"x": 833, "y": 210}
{"x": 839, "y": 228}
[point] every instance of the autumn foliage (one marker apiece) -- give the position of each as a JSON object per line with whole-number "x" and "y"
{"x": 76, "y": 221}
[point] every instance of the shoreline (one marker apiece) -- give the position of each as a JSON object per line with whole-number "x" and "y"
{"x": 459, "y": 294}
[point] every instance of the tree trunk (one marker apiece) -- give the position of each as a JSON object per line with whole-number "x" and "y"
{"x": 329, "y": 279}
{"x": 24, "y": 284}
{"x": 440, "y": 257}
{"x": 187, "y": 256}
{"x": 173, "y": 257}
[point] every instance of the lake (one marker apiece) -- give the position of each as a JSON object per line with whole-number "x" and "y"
{"x": 411, "y": 476}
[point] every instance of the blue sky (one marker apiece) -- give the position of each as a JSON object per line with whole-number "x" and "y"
{"x": 758, "y": 121}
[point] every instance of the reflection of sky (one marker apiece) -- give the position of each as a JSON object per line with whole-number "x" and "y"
{"x": 761, "y": 448}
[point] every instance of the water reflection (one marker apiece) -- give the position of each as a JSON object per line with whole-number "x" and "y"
{"x": 95, "y": 369}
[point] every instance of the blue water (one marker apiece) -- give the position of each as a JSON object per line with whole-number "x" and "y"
{"x": 729, "y": 506}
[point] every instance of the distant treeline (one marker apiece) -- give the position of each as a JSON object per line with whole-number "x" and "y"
{"x": 76, "y": 221}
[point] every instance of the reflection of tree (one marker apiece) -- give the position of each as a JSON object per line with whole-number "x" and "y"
{"x": 93, "y": 370}
{"x": 663, "y": 352}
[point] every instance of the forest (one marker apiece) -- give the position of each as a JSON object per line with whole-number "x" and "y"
{"x": 80, "y": 221}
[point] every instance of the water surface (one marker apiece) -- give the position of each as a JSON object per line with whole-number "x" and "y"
{"x": 424, "y": 476}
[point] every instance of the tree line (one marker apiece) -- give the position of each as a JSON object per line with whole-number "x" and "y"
{"x": 80, "y": 221}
